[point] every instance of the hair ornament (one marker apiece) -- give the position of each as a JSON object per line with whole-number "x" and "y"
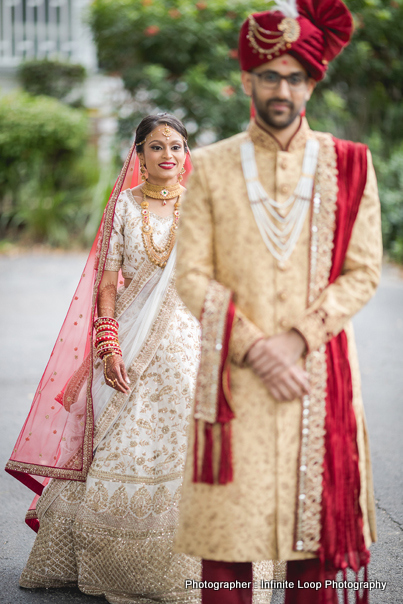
{"x": 166, "y": 131}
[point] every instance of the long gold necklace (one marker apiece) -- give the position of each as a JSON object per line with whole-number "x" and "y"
{"x": 157, "y": 254}
{"x": 161, "y": 192}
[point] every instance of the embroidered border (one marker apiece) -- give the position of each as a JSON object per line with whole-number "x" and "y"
{"x": 143, "y": 275}
{"x": 323, "y": 222}
{"x": 213, "y": 321}
{"x": 108, "y": 476}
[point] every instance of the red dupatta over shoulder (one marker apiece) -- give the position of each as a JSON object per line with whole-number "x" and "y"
{"x": 37, "y": 454}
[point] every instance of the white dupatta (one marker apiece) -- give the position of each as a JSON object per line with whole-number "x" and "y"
{"x": 134, "y": 326}
{"x": 135, "y": 323}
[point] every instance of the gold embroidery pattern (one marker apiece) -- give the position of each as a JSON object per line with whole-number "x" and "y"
{"x": 213, "y": 326}
{"x": 309, "y": 492}
{"x": 109, "y": 212}
{"x": 141, "y": 503}
{"x": 143, "y": 275}
{"x": 141, "y": 362}
{"x": 76, "y": 383}
{"x": 111, "y": 477}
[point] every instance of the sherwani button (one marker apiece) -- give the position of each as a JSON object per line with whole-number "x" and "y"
{"x": 282, "y": 266}
{"x": 282, "y": 296}
{"x": 283, "y": 323}
{"x": 284, "y": 189}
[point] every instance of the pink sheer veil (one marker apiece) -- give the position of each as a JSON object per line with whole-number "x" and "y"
{"x": 37, "y": 454}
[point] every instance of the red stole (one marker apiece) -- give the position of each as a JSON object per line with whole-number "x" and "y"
{"x": 342, "y": 541}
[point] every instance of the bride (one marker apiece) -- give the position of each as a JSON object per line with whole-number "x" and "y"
{"x": 107, "y": 519}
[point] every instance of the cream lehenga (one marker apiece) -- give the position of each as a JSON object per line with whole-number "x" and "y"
{"x": 113, "y": 534}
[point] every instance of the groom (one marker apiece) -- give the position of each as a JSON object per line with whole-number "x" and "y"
{"x": 279, "y": 246}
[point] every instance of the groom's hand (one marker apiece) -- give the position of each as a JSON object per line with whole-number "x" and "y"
{"x": 274, "y": 361}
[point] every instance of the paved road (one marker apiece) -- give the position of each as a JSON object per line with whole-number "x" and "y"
{"x": 34, "y": 296}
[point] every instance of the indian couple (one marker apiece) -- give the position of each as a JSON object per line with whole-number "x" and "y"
{"x": 200, "y": 418}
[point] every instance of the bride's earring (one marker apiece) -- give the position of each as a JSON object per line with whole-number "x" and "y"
{"x": 181, "y": 173}
{"x": 143, "y": 170}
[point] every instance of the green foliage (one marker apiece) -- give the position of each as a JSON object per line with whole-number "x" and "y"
{"x": 368, "y": 77}
{"x": 177, "y": 56}
{"x": 46, "y": 168}
{"x": 52, "y": 78}
{"x": 390, "y": 175}
{"x": 180, "y": 56}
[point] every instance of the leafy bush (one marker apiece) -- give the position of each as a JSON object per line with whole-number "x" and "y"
{"x": 46, "y": 168}
{"x": 180, "y": 56}
{"x": 52, "y": 78}
{"x": 390, "y": 178}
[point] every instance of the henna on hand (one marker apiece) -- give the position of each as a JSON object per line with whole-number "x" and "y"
{"x": 107, "y": 295}
{"x": 115, "y": 373}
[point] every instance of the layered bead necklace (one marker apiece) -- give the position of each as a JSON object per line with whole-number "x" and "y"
{"x": 280, "y": 233}
{"x": 157, "y": 254}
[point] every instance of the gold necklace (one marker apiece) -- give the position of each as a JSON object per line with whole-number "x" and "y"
{"x": 157, "y": 254}
{"x": 160, "y": 192}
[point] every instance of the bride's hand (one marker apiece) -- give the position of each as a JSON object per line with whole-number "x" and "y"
{"x": 115, "y": 373}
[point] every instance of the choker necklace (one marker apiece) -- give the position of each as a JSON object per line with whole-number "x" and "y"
{"x": 161, "y": 192}
{"x": 158, "y": 254}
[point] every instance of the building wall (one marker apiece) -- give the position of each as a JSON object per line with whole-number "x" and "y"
{"x": 53, "y": 29}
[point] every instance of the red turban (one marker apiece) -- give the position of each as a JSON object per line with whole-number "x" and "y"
{"x": 312, "y": 31}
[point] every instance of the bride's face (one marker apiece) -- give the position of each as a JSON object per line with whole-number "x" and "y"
{"x": 164, "y": 154}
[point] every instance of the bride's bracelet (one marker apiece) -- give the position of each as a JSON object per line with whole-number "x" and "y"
{"x": 107, "y": 337}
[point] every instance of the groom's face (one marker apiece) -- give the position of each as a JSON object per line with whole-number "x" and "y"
{"x": 280, "y": 90}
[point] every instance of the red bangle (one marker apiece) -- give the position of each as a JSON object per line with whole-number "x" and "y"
{"x": 106, "y": 321}
{"x": 104, "y": 353}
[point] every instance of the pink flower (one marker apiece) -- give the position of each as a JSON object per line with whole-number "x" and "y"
{"x": 228, "y": 91}
{"x": 233, "y": 53}
{"x": 151, "y": 30}
{"x": 201, "y": 5}
{"x": 174, "y": 13}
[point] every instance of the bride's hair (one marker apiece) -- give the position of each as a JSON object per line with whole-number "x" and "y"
{"x": 150, "y": 122}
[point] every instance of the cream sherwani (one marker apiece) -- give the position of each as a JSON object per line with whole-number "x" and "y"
{"x": 254, "y": 517}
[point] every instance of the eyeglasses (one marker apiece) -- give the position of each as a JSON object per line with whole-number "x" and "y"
{"x": 272, "y": 79}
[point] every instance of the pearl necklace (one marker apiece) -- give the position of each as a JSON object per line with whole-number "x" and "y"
{"x": 157, "y": 254}
{"x": 280, "y": 233}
